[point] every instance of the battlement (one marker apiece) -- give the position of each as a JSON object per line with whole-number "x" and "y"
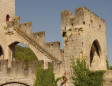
{"x": 17, "y": 19}
{"x": 55, "y": 45}
{"x": 82, "y": 16}
{"x": 85, "y": 11}
{"x": 39, "y": 36}
{"x": 26, "y": 27}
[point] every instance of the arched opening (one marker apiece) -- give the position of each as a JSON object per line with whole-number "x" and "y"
{"x": 1, "y": 53}
{"x": 14, "y": 84}
{"x": 22, "y": 52}
{"x": 7, "y": 17}
{"x": 95, "y": 53}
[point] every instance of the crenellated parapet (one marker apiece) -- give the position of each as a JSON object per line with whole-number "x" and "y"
{"x": 39, "y": 36}
{"x": 26, "y": 27}
{"x": 54, "y": 45}
{"x": 82, "y": 16}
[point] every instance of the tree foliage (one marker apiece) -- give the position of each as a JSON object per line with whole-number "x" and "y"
{"x": 82, "y": 76}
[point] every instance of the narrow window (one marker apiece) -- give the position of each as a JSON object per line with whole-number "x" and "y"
{"x": 83, "y": 22}
{"x": 7, "y": 18}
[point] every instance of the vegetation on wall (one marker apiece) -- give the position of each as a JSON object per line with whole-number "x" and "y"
{"x": 45, "y": 77}
{"x": 24, "y": 54}
{"x": 108, "y": 66}
{"x": 107, "y": 63}
{"x": 82, "y": 76}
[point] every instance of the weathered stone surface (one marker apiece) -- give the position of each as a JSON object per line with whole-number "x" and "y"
{"x": 108, "y": 78}
{"x": 84, "y": 37}
{"x": 18, "y": 72}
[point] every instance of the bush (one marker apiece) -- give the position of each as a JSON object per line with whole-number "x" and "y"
{"x": 82, "y": 76}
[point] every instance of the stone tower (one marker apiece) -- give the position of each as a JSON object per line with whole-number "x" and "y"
{"x": 7, "y": 9}
{"x": 84, "y": 37}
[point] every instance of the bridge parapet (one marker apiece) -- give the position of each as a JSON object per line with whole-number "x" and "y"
{"x": 18, "y": 73}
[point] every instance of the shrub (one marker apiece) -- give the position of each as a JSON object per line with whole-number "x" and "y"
{"x": 82, "y": 76}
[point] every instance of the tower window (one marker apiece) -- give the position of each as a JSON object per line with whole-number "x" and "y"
{"x": 7, "y": 17}
{"x": 83, "y": 22}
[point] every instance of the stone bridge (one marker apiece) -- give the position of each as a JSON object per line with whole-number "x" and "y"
{"x": 83, "y": 33}
{"x": 13, "y": 32}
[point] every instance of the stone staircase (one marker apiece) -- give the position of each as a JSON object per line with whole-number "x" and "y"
{"x": 34, "y": 43}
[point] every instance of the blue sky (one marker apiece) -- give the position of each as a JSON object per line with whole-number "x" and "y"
{"x": 45, "y": 15}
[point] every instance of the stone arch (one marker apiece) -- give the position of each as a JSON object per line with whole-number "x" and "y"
{"x": 12, "y": 48}
{"x": 14, "y": 84}
{"x": 95, "y": 52}
{"x": 40, "y": 56}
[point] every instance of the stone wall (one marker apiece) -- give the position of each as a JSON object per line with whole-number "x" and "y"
{"x": 108, "y": 78}
{"x": 18, "y": 73}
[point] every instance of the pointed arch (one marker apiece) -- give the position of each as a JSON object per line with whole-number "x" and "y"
{"x": 95, "y": 48}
